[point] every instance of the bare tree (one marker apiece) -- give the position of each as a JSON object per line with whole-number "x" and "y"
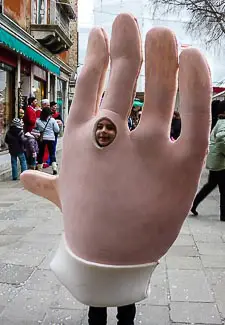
{"x": 206, "y": 16}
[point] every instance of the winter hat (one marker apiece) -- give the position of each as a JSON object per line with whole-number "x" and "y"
{"x": 16, "y": 122}
{"x": 45, "y": 101}
{"x": 53, "y": 104}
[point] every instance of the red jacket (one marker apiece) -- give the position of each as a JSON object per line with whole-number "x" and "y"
{"x": 38, "y": 112}
{"x": 29, "y": 119}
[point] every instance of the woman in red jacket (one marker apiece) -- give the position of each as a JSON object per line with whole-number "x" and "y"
{"x": 30, "y": 115}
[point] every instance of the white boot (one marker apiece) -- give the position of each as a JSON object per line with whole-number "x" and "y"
{"x": 40, "y": 167}
{"x": 54, "y": 168}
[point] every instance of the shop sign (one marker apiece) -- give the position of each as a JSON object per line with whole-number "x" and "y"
{"x": 39, "y": 73}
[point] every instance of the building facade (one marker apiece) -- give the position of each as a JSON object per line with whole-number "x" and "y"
{"x": 38, "y": 55}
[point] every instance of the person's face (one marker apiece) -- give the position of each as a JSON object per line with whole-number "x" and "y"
{"x": 45, "y": 105}
{"x": 105, "y": 132}
{"x": 34, "y": 103}
{"x": 21, "y": 114}
{"x": 54, "y": 108}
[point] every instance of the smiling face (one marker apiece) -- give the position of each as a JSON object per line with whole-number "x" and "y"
{"x": 54, "y": 108}
{"x": 105, "y": 132}
{"x": 34, "y": 103}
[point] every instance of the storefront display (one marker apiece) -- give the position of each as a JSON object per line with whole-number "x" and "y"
{"x": 61, "y": 91}
{"x": 39, "y": 90}
{"x": 7, "y": 100}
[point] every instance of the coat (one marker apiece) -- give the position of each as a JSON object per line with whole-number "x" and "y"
{"x": 29, "y": 119}
{"x": 216, "y": 157}
{"x": 15, "y": 140}
{"x": 31, "y": 145}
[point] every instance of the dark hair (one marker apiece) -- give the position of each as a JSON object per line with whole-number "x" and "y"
{"x": 176, "y": 114}
{"x": 221, "y": 107}
{"x": 45, "y": 113}
{"x": 31, "y": 99}
{"x": 217, "y": 108}
{"x": 53, "y": 104}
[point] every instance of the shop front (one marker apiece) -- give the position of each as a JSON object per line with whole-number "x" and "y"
{"x": 39, "y": 83}
{"x": 61, "y": 97}
{"x": 25, "y": 72}
{"x": 7, "y": 100}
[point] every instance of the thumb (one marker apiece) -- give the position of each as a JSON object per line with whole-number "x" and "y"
{"x": 41, "y": 184}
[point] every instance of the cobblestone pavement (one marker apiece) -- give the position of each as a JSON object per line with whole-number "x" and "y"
{"x": 187, "y": 288}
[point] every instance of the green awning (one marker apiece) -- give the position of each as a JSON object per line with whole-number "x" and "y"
{"x": 20, "y": 47}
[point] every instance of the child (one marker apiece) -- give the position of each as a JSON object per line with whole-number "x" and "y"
{"x": 15, "y": 141}
{"x": 21, "y": 116}
{"x": 31, "y": 148}
{"x": 125, "y": 315}
{"x": 105, "y": 134}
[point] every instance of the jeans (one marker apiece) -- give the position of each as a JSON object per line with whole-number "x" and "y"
{"x": 31, "y": 161}
{"x": 215, "y": 178}
{"x": 51, "y": 150}
{"x": 125, "y": 315}
{"x": 49, "y": 162}
{"x": 23, "y": 164}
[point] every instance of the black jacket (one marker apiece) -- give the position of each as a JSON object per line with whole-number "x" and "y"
{"x": 175, "y": 128}
{"x": 15, "y": 140}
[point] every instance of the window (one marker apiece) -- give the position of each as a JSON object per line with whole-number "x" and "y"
{"x": 39, "y": 12}
{"x": 7, "y": 101}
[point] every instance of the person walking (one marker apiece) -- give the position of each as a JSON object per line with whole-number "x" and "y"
{"x": 125, "y": 315}
{"x": 56, "y": 115}
{"x": 216, "y": 164}
{"x": 47, "y": 126}
{"x": 15, "y": 141}
{"x": 175, "y": 126}
{"x": 30, "y": 115}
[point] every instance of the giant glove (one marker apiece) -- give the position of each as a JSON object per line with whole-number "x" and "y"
{"x": 124, "y": 196}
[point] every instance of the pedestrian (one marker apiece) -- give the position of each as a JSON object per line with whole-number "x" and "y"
{"x": 47, "y": 126}
{"x": 56, "y": 115}
{"x": 21, "y": 116}
{"x": 214, "y": 112}
{"x": 15, "y": 141}
{"x": 46, "y": 159}
{"x": 31, "y": 149}
{"x": 175, "y": 126}
{"x": 30, "y": 115}
{"x": 216, "y": 164}
{"x": 125, "y": 315}
{"x": 134, "y": 118}
{"x": 105, "y": 134}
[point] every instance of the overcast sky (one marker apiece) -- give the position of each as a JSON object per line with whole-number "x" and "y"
{"x": 85, "y": 12}
{"x": 85, "y": 20}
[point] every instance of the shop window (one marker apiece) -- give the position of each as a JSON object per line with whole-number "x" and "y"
{"x": 52, "y": 87}
{"x": 39, "y": 90}
{"x": 7, "y": 101}
{"x": 61, "y": 93}
{"x": 39, "y": 12}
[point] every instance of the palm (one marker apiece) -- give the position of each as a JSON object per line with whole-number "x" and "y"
{"x": 136, "y": 192}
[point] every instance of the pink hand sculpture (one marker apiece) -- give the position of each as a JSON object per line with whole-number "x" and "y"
{"x": 124, "y": 203}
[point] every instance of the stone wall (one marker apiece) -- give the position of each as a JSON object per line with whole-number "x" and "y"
{"x": 73, "y": 52}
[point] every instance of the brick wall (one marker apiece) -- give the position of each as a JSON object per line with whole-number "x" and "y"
{"x": 19, "y": 11}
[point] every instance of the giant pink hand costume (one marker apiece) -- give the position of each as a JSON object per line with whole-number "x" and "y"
{"x": 124, "y": 204}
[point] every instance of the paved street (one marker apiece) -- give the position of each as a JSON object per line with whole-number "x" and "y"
{"x": 187, "y": 288}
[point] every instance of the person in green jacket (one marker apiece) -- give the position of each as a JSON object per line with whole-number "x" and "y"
{"x": 216, "y": 164}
